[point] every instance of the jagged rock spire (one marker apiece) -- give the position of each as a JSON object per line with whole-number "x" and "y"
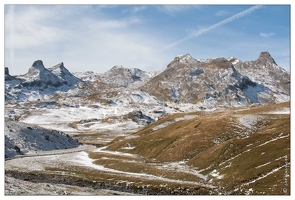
{"x": 6, "y": 71}
{"x": 265, "y": 58}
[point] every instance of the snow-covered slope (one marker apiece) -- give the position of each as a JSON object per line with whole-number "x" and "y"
{"x": 117, "y": 76}
{"x": 21, "y": 138}
{"x": 187, "y": 84}
{"x": 88, "y": 76}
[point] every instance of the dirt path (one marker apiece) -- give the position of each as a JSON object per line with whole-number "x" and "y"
{"x": 54, "y": 152}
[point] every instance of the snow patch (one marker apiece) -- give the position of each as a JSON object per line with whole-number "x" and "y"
{"x": 163, "y": 125}
{"x": 249, "y": 120}
{"x": 284, "y": 111}
{"x": 216, "y": 174}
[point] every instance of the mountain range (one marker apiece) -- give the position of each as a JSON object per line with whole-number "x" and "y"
{"x": 207, "y": 83}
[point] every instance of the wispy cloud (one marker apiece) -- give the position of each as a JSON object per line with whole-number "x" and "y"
{"x": 116, "y": 23}
{"x": 267, "y": 35}
{"x": 176, "y": 9}
{"x": 29, "y": 28}
{"x": 221, "y": 23}
{"x": 136, "y": 9}
{"x": 78, "y": 40}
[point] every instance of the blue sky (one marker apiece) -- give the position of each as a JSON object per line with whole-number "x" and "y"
{"x": 97, "y": 37}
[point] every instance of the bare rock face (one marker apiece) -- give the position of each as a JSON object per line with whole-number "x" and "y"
{"x": 265, "y": 59}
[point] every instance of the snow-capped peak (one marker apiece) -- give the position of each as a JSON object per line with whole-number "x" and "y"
{"x": 187, "y": 58}
{"x": 63, "y": 74}
{"x": 38, "y": 64}
{"x": 233, "y": 60}
{"x": 117, "y": 67}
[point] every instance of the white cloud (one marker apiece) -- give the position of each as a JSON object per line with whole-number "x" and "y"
{"x": 25, "y": 29}
{"x": 136, "y": 9}
{"x": 267, "y": 35}
{"x": 115, "y": 23}
{"x": 83, "y": 43}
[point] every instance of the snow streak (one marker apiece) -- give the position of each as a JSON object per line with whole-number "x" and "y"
{"x": 223, "y": 22}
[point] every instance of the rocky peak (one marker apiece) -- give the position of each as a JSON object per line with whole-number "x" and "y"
{"x": 234, "y": 60}
{"x": 186, "y": 59}
{"x": 59, "y": 69}
{"x": 59, "y": 65}
{"x": 36, "y": 68}
{"x": 6, "y": 71}
{"x": 63, "y": 74}
{"x": 38, "y": 75}
{"x": 220, "y": 63}
{"x": 38, "y": 64}
{"x": 116, "y": 67}
{"x": 7, "y": 75}
{"x": 265, "y": 59}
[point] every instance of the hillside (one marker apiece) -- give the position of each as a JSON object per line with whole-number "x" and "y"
{"x": 244, "y": 150}
{"x": 21, "y": 139}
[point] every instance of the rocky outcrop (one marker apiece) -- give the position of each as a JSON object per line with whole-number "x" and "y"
{"x": 118, "y": 76}
{"x": 39, "y": 82}
{"x": 8, "y": 77}
{"x": 38, "y": 75}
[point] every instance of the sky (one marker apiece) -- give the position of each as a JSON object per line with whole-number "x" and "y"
{"x": 97, "y": 37}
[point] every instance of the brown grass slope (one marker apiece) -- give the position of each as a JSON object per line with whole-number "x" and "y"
{"x": 251, "y": 159}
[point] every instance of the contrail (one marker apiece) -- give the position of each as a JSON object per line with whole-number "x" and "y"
{"x": 223, "y": 22}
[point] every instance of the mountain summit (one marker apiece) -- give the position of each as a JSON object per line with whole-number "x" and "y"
{"x": 265, "y": 59}
{"x": 38, "y": 75}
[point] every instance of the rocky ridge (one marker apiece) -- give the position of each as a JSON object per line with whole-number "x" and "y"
{"x": 211, "y": 83}
{"x": 221, "y": 82}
